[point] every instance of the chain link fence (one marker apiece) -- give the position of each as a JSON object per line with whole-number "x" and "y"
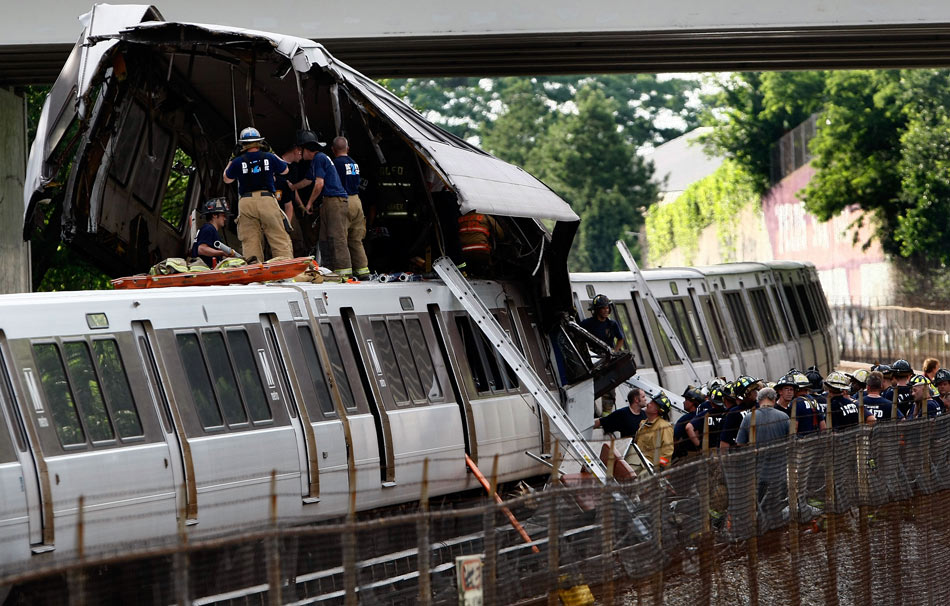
{"x": 884, "y": 333}
{"x": 853, "y": 517}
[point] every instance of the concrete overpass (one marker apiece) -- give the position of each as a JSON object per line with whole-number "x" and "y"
{"x": 495, "y": 37}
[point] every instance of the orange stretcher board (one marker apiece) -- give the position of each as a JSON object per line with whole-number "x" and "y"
{"x": 246, "y": 274}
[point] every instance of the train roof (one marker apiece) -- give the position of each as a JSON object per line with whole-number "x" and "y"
{"x": 660, "y": 273}
{"x": 732, "y": 268}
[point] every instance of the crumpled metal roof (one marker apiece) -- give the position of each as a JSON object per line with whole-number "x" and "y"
{"x": 481, "y": 181}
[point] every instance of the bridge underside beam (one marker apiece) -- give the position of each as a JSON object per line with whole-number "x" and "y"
{"x": 575, "y": 53}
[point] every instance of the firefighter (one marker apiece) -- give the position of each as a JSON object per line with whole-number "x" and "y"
{"x": 601, "y": 326}
{"x": 655, "y": 436}
{"x": 216, "y": 212}
{"x": 920, "y": 392}
{"x": 349, "y": 173}
{"x": 841, "y": 408}
{"x": 479, "y": 234}
{"x": 333, "y": 209}
{"x": 258, "y": 212}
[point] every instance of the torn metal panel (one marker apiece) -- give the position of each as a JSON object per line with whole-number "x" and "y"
{"x": 173, "y": 95}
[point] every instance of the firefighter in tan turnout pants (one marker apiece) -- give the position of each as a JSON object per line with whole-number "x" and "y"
{"x": 349, "y": 172}
{"x": 258, "y": 211}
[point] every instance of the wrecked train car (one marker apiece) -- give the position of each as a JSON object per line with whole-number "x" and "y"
{"x": 143, "y": 119}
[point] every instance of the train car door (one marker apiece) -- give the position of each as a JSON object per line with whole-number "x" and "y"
{"x": 181, "y": 463}
{"x": 20, "y": 504}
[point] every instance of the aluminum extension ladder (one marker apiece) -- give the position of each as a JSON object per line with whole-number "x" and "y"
{"x": 497, "y": 336}
{"x": 644, "y": 289}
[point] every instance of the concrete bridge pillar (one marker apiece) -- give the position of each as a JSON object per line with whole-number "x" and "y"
{"x": 15, "y": 273}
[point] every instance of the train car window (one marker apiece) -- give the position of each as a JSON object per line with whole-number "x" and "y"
{"x": 510, "y": 378}
{"x": 711, "y": 312}
{"x": 806, "y": 301}
{"x": 667, "y": 353}
{"x": 697, "y": 331}
{"x": 773, "y": 292}
{"x": 420, "y": 352}
{"x": 479, "y": 377}
{"x": 336, "y": 364}
{"x": 796, "y": 310}
{"x": 115, "y": 386}
{"x": 675, "y": 312}
{"x": 821, "y": 304}
{"x": 229, "y": 398}
{"x": 312, "y": 362}
{"x": 58, "y": 395}
{"x": 384, "y": 349}
{"x": 741, "y": 320}
{"x": 537, "y": 344}
{"x": 199, "y": 381}
{"x": 763, "y": 312}
{"x": 632, "y": 338}
{"x": 88, "y": 392}
{"x": 404, "y": 360}
{"x": 7, "y": 452}
{"x": 249, "y": 376}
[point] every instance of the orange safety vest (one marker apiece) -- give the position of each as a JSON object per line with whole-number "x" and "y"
{"x": 475, "y": 234}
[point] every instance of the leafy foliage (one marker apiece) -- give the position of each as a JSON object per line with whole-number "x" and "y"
{"x": 579, "y": 134}
{"x": 751, "y": 111}
{"x": 715, "y": 200}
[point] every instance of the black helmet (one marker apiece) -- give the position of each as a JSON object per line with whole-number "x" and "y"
{"x": 662, "y": 402}
{"x": 715, "y": 396}
{"x": 786, "y": 381}
{"x": 729, "y": 391}
{"x": 744, "y": 384}
{"x": 694, "y": 394}
{"x": 902, "y": 367}
{"x": 919, "y": 380}
{"x": 942, "y": 375}
{"x": 600, "y": 301}
{"x": 309, "y": 139}
{"x": 814, "y": 378}
{"x": 215, "y": 206}
{"x": 884, "y": 369}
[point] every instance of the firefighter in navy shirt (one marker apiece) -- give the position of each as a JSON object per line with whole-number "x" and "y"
{"x": 254, "y": 170}
{"x": 601, "y": 326}
{"x": 333, "y": 209}
{"x": 843, "y": 410}
{"x": 216, "y": 212}
{"x": 349, "y": 173}
{"x": 877, "y": 408}
{"x": 742, "y": 392}
{"x": 920, "y": 390}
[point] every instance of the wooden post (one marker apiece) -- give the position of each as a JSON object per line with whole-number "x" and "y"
{"x": 831, "y": 583}
{"x": 349, "y": 545}
{"x": 489, "y": 572}
{"x": 554, "y": 530}
{"x": 76, "y": 577}
{"x": 422, "y": 538}
{"x": 273, "y": 548}
{"x": 14, "y": 252}
{"x": 706, "y": 552}
{"x": 607, "y": 529}
{"x": 657, "y": 489}
{"x": 180, "y": 561}
{"x": 753, "y": 545}
{"x": 794, "y": 581}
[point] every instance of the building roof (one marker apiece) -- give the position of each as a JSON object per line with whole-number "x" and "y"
{"x": 682, "y": 161}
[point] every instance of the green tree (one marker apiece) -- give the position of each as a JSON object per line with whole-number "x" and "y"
{"x": 514, "y": 136}
{"x": 586, "y": 159}
{"x": 751, "y": 111}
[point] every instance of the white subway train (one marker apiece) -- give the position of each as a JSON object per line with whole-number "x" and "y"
{"x": 732, "y": 319}
{"x": 181, "y": 402}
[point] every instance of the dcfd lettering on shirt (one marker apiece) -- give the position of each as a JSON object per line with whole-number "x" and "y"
{"x": 256, "y": 166}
